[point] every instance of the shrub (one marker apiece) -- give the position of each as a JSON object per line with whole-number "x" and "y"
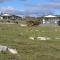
{"x": 33, "y": 22}
{"x": 8, "y": 21}
{"x": 16, "y": 22}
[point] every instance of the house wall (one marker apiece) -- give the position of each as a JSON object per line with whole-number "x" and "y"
{"x": 50, "y": 20}
{"x": 9, "y": 17}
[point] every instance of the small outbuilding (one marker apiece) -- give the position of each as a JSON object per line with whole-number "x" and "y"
{"x": 51, "y": 19}
{"x": 9, "y": 16}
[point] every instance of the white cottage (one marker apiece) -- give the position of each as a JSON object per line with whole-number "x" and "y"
{"x": 9, "y": 16}
{"x": 51, "y": 19}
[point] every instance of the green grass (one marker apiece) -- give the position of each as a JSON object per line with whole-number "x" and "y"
{"x": 12, "y": 35}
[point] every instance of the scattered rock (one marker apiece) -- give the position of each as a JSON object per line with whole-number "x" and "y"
{"x": 57, "y": 38}
{"x": 23, "y": 25}
{"x": 32, "y": 38}
{"x": 37, "y": 30}
{"x": 13, "y": 51}
{"x": 41, "y": 38}
{"x": 3, "y": 48}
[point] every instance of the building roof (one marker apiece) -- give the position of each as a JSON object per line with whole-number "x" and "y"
{"x": 6, "y": 14}
{"x": 50, "y": 16}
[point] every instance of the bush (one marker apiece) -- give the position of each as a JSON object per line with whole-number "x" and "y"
{"x": 8, "y": 21}
{"x": 16, "y": 22}
{"x": 33, "y": 22}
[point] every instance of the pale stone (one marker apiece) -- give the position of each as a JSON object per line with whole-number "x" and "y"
{"x": 23, "y": 25}
{"x": 41, "y": 38}
{"x": 57, "y": 38}
{"x": 13, "y": 51}
{"x": 37, "y": 30}
{"x": 32, "y": 38}
{"x": 3, "y": 48}
{"x": 48, "y": 38}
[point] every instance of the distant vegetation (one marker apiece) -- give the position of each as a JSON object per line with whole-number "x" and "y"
{"x": 30, "y": 21}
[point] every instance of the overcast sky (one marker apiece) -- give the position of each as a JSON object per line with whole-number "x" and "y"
{"x": 30, "y": 7}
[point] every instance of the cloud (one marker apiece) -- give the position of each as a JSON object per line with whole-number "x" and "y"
{"x": 23, "y": 0}
{"x": 36, "y": 12}
{"x": 27, "y": 12}
{"x": 42, "y": 9}
{"x": 33, "y": 9}
{"x": 45, "y": 6}
{"x": 12, "y": 10}
{"x": 4, "y": 0}
{"x": 51, "y": 5}
{"x": 7, "y": 8}
{"x": 1, "y": 1}
{"x": 55, "y": 0}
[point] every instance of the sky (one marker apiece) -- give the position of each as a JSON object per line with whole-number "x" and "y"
{"x": 30, "y": 7}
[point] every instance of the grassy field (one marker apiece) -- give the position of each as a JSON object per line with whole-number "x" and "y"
{"x": 15, "y": 36}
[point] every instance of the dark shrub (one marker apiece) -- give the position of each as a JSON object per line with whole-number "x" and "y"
{"x": 8, "y": 21}
{"x": 33, "y": 22}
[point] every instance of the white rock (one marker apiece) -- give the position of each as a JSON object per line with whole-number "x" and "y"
{"x": 47, "y": 38}
{"x": 23, "y": 25}
{"x": 3, "y": 48}
{"x": 32, "y": 38}
{"x": 41, "y": 38}
{"x": 57, "y": 38}
{"x": 37, "y": 30}
{"x": 13, "y": 51}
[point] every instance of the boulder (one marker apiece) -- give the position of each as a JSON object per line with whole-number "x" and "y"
{"x": 3, "y": 48}
{"x": 13, "y": 51}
